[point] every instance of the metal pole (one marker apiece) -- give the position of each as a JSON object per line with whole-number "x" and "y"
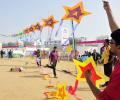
{"x": 74, "y": 44}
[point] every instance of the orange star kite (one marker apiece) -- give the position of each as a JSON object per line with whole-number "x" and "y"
{"x": 38, "y": 26}
{"x": 50, "y": 22}
{"x": 75, "y": 13}
{"x": 32, "y": 28}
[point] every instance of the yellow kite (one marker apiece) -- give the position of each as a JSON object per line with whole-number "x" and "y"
{"x": 50, "y": 22}
{"x": 38, "y": 26}
{"x": 75, "y": 13}
{"x": 97, "y": 78}
{"x": 32, "y": 28}
{"x": 61, "y": 93}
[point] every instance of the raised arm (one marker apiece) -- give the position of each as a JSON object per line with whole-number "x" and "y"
{"x": 112, "y": 23}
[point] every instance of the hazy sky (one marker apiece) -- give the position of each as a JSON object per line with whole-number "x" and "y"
{"x": 15, "y": 15}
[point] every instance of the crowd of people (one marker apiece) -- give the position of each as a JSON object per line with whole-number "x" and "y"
{"x": 96, "y": 56}
{"x": 7, "y": 53}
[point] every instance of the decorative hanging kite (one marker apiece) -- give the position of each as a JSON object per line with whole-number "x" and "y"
{"x": 97, "y": 78}
{"x": 32, "y": 28}
{"x": 75, "y": 13}
{"x": 25, "y": 34}
{"x": 50, "y": 22}
{"x": 38, "y": 27}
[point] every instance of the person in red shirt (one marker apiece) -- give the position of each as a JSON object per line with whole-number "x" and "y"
{"x": 112, "y": 91}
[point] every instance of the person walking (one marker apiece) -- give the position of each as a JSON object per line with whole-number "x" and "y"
{"x": 53, "y": 58}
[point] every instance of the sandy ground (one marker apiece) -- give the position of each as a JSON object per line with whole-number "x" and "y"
{"x": 30, "y": 84}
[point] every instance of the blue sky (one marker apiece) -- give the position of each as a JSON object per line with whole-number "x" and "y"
{"x": 15, "y": 15}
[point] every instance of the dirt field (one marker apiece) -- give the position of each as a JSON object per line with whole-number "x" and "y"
{"x": 30, "y": 84}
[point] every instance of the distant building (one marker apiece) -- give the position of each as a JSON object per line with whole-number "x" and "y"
{"x": 102, "y": 37}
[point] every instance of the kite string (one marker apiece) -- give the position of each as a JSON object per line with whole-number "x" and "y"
{"x": 40, "y": 35}
{"x": 60, "y": 25}
{"x": 50, "y": 34}
{"x": 74, "y": 26}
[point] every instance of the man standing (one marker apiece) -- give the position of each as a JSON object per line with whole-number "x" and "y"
{"x": 38, "y": 58}
{"x": 107, "y": 57}
{"x": 96, "y": 56}
{"x": 111, "y": 92}
{"x": 2, "y": 53}
{"x": 10, "y": 53}
{"x": 53, "y": 58}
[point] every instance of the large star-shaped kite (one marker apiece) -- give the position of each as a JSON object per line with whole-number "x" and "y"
{"x": 75, "y": 13}
{"x": 50, "y": 22}
{"x": 97, "y": 78}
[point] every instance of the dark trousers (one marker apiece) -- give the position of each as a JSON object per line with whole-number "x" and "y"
{"x": 54, "y": 67}
{"x": 1, "y": 56}
{"x": 39, "y": 63}
{"x": 108, "y": 69}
